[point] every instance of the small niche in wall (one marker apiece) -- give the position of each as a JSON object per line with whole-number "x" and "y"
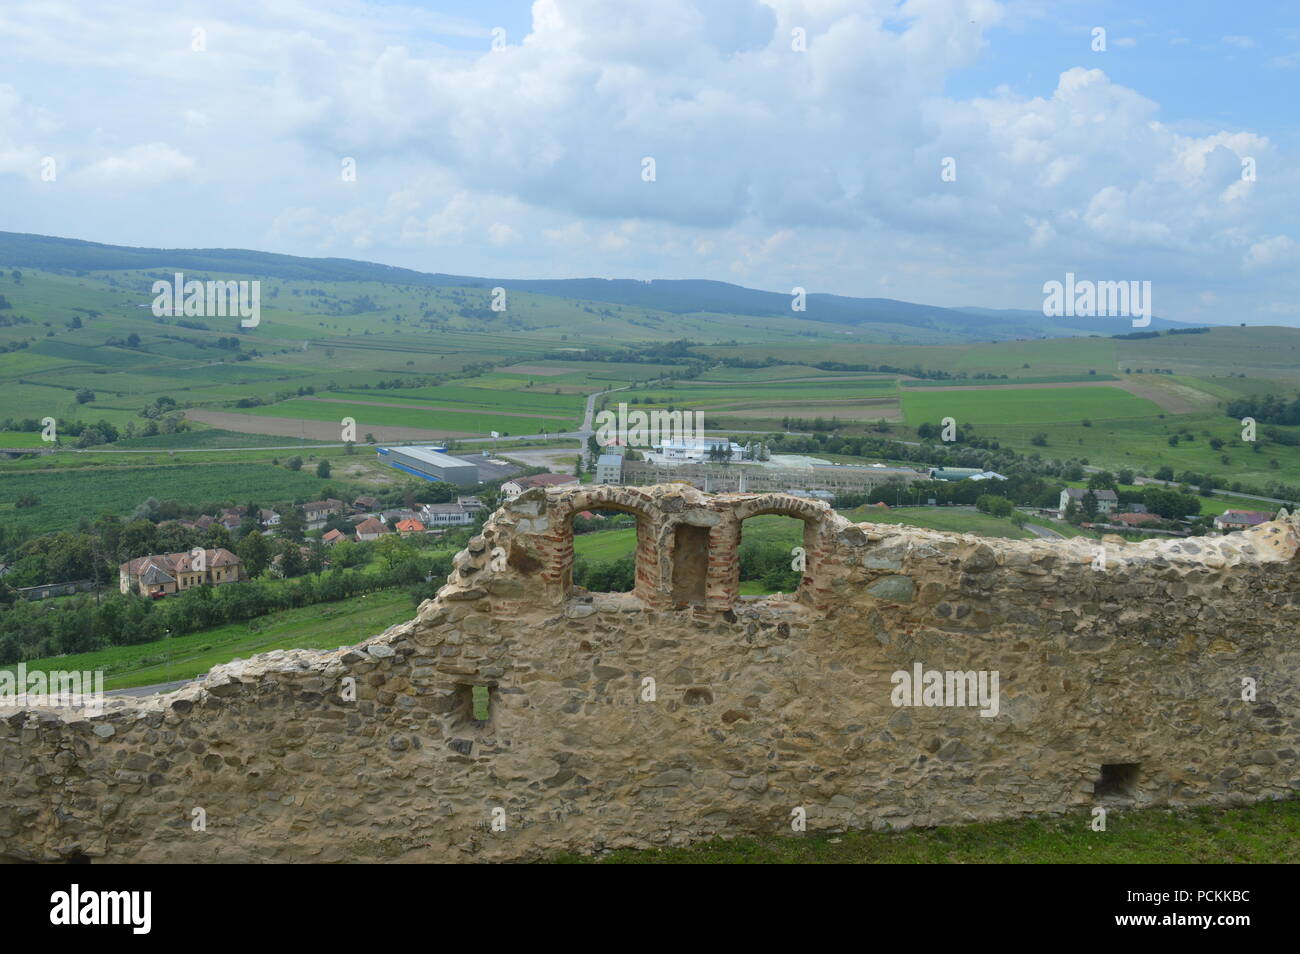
{"x": 473, "y": 706}
{"x": 1118, "y": 780}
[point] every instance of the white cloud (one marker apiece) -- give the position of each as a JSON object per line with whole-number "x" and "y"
{"x": 771, "y": 164}
{"x": 1271, "y": 252}
{"x": 147, "y": 164}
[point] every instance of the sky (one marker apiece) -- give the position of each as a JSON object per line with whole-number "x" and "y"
{"x": 950, "y": 152}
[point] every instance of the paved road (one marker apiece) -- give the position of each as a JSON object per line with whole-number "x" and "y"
{"x": 1047, "y": 533}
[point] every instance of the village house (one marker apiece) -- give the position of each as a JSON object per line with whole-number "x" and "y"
{"x": 333, "y": 537}
{"x": 177, "y": 572}
{"x": 366, "y": 503}
{"x": 407, "y": 527}
{"x": 1107, "y": 501}
{"x": 371, "y": 529}
{"x": 447, "y": 515}
{"x": 513, "y": 488}
{"x": 270, "y": 518}
{"x": 1240, "y": 519}
{"x": 316, "y": 512}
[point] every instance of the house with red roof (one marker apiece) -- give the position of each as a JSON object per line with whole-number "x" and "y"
{"x": 167, "y": 573}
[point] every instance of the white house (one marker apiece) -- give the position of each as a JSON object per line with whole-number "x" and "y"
{"x": 1107, "y": 501}
{"x": 447, "y": 515}
{"x": 609, "y": 469}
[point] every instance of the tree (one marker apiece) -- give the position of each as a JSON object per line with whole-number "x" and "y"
{"x": 139, "y": 538}
{"x": 293, "y": 525}
{"x": 294, "y": 463}
{"x": 255, "y": 552}
{"x": 323, "y": 469}
{"x": 1103, "y": 480}
{"x": 1089, "y": 504}
{"x": 291, "y": 561}
{"x": 393, "y": 551}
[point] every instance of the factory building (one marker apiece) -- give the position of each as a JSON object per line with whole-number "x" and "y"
{"x": 430, "y": 464}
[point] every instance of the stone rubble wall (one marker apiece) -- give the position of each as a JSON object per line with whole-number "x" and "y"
{"x": 761, "y": 706}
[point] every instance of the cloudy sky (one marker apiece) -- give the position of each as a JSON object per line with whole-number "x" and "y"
{"x": 794, "y": 142}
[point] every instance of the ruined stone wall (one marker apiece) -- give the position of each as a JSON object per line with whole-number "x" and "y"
{"x": 1131, "y": 655}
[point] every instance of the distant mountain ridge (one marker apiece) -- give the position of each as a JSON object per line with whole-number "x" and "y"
{"x": 677, "y": 296}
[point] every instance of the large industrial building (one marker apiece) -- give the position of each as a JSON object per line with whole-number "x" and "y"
{"x": 430, "y": 463}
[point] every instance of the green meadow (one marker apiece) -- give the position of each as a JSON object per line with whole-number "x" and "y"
{"x": 993, "y": 408}
{"x": 322, "y": 626}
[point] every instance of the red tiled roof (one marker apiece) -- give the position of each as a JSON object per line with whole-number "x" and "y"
{"x": 1249, "y": 518}
{"x": 180, "y": 562}
{"x": 371, "y": 526}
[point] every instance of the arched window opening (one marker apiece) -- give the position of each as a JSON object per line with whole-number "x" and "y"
{"x": 776, "y": 554}
{"x": 606, "y": 544}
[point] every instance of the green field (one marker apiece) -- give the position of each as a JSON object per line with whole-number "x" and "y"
{"x": 992, "y": 409}
{"x": 21, "y": 439}
{"x": 323, "y": 626}
{"x": 65, "y": 496}
{"x": 372, "y": 415}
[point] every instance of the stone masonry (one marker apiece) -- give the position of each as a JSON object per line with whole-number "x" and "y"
{"x": 681, "y": 711}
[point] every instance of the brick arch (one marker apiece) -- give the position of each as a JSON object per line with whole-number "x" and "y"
{"x": 631, "y": 500}
{"x": 816, "y": 516}
{"x": 785, "y": 505}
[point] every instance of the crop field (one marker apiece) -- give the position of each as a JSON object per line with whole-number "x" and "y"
{"x": 371, "y": 415}
{"x": 65, "y": 496}
{"x": 846, "y": 397}
{"x": 990, "y": 408}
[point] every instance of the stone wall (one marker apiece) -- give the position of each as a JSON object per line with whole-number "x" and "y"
{"x": 1128, "y": 656}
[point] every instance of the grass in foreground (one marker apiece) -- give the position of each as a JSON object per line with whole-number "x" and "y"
{"x": 1267, "y": 833}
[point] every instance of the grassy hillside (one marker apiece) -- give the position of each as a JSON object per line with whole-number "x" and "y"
{"x": 324, "y": 626}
